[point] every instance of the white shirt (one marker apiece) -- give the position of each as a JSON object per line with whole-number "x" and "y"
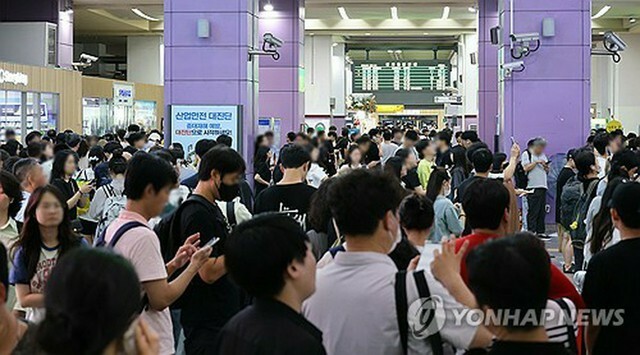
{"x": 354, "y": 307}
{"x": 240, "y": 210}
{"x": 47, "y": 166}
{"x": 537, "y": 176}
{"x": 603, "y": 164}
{"x": 23, "y": 207}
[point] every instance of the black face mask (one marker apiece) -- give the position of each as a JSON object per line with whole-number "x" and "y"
{"x": 228, "y": 192}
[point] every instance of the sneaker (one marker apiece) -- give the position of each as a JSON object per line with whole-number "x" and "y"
{"x": 544, "y": 237}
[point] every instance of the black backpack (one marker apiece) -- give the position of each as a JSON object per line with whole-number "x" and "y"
{"x": 168, "y": 230}
{"x": 521, "y": 176}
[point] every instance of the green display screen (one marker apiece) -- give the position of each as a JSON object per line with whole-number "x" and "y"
{"x": 401, "y": 76}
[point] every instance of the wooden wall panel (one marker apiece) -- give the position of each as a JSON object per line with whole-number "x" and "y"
{"x": 66, "y": 83}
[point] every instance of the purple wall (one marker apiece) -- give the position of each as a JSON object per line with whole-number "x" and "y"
{"x": 551, "y": 98}
{"x": 488, "y": 71}
{"x": 281, "y": 81}
{"x": 214, "y": 70}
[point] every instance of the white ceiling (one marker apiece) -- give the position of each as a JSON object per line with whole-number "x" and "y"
{"x": 417, "y": 17}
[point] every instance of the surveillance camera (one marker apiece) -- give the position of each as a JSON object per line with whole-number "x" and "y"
{"x": 272, "y": 40}
{"x": 525, "y": 37}
{"x": 613, "y": 43}
{"x": 513, "y": 67}
{"x": 88, "y": 58}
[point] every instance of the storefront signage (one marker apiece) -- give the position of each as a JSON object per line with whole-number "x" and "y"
{"x": 123, "y": 94}
{"x": 189, "y": 124}
{"x": 13, "y": 78}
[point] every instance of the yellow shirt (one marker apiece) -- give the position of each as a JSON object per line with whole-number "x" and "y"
{"x": 425, "y": 168}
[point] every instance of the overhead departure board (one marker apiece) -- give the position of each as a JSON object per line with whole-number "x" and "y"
{"x": 400, "y": 76}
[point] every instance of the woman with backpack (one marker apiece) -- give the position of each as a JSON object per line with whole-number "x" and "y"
{"x": 45, "y": 237}
{"x": 107, "y": 196}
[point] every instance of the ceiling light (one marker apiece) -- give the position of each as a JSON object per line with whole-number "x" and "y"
{"x": 268, "y": 7}
{"x": 445, "y": 12}
{"x": 394, "y": 12}
{"x": 602, "y": 12}
{"x": 368, "y": 34}
{"x": 143, "y": 15}
{"x": 601, "y": 33}
{"x": 335, "y": 44}
{"x": 472, "y": 9}
{"x": 389, "y": 50}
{"x": 632, "y": 20}
{"x": 343, "y": 13}
{"x": 398, "y": 51}
{"x": 425, "y": 33}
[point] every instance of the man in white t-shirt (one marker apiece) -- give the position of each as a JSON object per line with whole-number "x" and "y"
{"x": 601, "y": 144}
{"x": 31, "y": 176}
{"x": 130, "y": 235}
{"x": 355, "y": 304}
{"x": 536, "y": 165}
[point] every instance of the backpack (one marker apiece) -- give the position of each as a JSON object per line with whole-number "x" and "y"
{"x": 231, "y": 214}
{"x": 578, "y": 229}
{"x": 571, "y": 193}
{"x": 521, "y": 176}
{"x": 101, "y": 243}
{"x": 113, "y": 204}
{"x": 167, "y": 229}
{"x": 402, "y": 309}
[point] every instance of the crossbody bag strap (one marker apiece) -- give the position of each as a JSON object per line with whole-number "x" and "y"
{"x": 402, "y": 308}
{"x": 423, "y": 290}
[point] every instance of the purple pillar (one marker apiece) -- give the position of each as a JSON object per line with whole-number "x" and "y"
{"x": 488, "y": 18}
{"x": 551, "y": 97}
{"x": 215, "y": 70}
{"x": 282, "y": 81}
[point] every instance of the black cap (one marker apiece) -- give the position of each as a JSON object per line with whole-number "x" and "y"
{"x": 626, "y": 201}
{"x": 571, "y": 154}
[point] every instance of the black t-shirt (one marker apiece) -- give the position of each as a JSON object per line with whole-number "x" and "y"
{"x": 403, "y": 253}
{"x": 130, "y": 149}
{"x": 411, "y": 180}
{"x": 444, "y": 159}
{"x": 292, "y": 200}
{"x": 465, "y": 185}
{"x": 527, "y": 348}
{"x": 269, "y": 327}
{"x": 68, "y": 189}
{"x": 613, "y": 283}
{"x": 373, "y": 154}
{"x": 564, "y": 176}
{"x": 202, "y": 303}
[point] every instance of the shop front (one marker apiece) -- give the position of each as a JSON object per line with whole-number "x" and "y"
{"x": 108, "y": 105}
{"x": 38, "y": 98}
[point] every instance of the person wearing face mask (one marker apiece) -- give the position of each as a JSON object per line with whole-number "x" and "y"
{"x": 292, "y": 194}
{"x": 358, "y": 287}
{"x": 449, "y": 220}
{"x": 211, "y": 299}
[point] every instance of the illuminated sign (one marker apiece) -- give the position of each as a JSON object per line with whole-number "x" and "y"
{"x": 191, "y": 123}
{"x": 13, "y": 78}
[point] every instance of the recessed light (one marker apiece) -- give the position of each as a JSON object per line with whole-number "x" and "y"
{"x": 143, "y": 15}
{"x": 425, "y": 33}
{"x": 394, "y": 12}
{"x": 602, "y": 12}
{"x": 268, "y": 7}
{"x": 335, "y": 44}
{"x": 445, "y": 12}
{"x": 389, "y": 50}
{"x": 472, "y": 9}
{"x": 633, "y": 20}
{"x": 343, "y": 13}
{"x": 601, "y": 33}
{"x": 398, "y": 51}
{"x": 368, "y": 34}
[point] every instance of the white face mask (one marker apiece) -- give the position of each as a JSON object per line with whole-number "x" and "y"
{"x": 397, "y": 238}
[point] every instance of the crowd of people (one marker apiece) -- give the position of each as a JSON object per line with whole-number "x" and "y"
{"x": 337, "y": 242}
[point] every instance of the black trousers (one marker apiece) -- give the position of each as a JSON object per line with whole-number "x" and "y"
{"x": 536, "y": 213}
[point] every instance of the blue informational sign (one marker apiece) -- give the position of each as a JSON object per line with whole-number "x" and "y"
{"x": 191, "y": 123}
